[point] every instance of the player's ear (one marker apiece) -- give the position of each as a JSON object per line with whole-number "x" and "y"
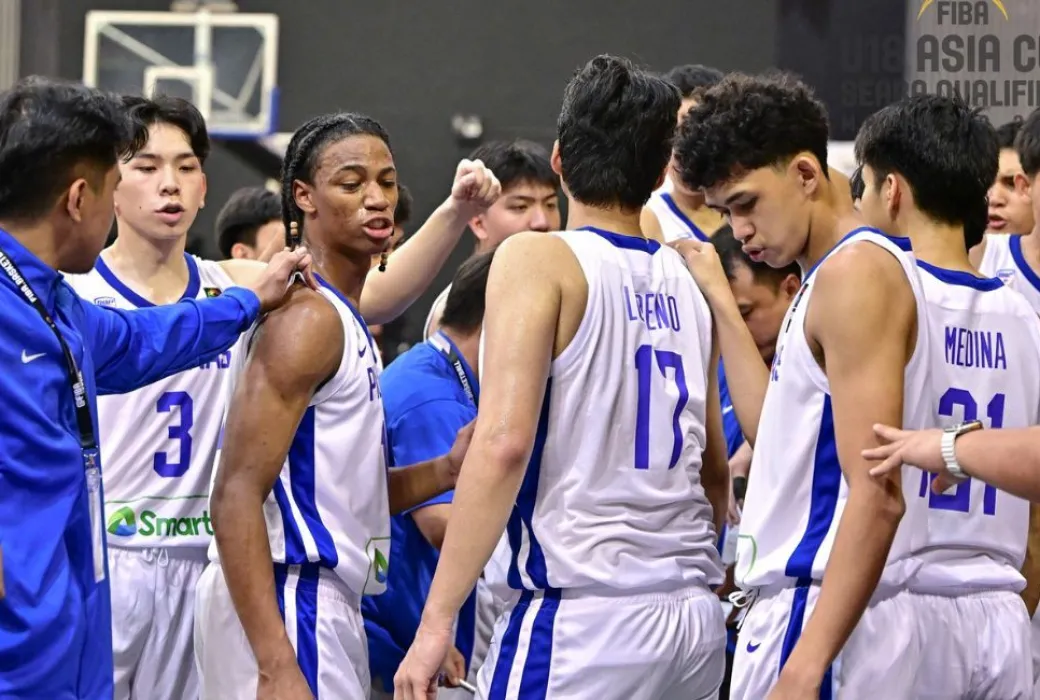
{"x": 893, "y": 191}
{"x": 75, "y": 198}
{"x": 476, "y": 224}
{"x": 240, "y": 251}
{"x": 790, "y": 286}
{"x": 808, "y": 173}
{"x": 304, "y": 196}
{"x": 1023, "y": 187}
{"x": 554, "y": 159}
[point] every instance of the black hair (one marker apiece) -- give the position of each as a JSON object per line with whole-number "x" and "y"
{"x": 247, "y": 210}
{"x": 305, "y": 148}
{"x": 175, "y": 111}
{"x": 516, "y": 162}
{"x": 856, "y": 184}
{"x": 1007, "y": 133}
{"x": 693, "y": 79}
{"x": 49, "y": 131}
{"x": 945, "y": 149}
{"x": 615, "y": 133}
{"x": 403, "y": 210}
{"x": 750, "y": 122}
{"x": 731, "y": 254}
{"x": 464, "y": 307}
{"x": 1027, "y": 144}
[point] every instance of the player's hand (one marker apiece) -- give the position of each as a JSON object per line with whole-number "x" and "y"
{"x": 475, "y": 188}
{"x": 416, "y": 677}
{"x": 284, "y": 267}
{"x": 739, "y": 466}
{"x": 452, "y": 462}
{"x": 705, "y": 266}
{"x": 921, "y": 448}
{"x": 453, "y": 669}
{"x": 287, "y": 683}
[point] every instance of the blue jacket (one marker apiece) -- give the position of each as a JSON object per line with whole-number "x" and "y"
{"x": 55, "y": 621}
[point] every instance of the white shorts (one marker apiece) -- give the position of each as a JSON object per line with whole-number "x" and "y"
{"x": 878, "y": 661}
{"x": 323, "y": 621}
{"x": 153, "y": 611}
{"x": 1036, "y": 655}
{"x": 977, "y": 646}
{"x": 652, "y": 647}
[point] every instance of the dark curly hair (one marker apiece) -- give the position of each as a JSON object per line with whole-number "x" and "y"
{"x": 615, "y": 133}
{"x": 749, "y": 122}
{"x": 946, "y": 150}
{"x": 693, "y": 79}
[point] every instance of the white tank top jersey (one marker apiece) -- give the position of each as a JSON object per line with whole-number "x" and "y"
{"x": 986, "y": 367}
{"x": 1003, "y": 259}
{"x": 612, "y": 502}
{"x": 435, "y": 306}
{"x": 675, "y": 225}
{"x": 158, "y": 443}
{"x": 796, "y": 497}
{"x": 330, "y": 504}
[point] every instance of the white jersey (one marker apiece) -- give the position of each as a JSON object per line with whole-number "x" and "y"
{"x": 330, "y": 503}
{"x": 437, "y": 305}
{"x": 158, "y": 443}
{"x": 675, "y": 225}
{"x": 986, "y": 366}
{"x": 1003, "y": 259}
{"x": 612, "y": 500}
{"x": 797, "y": 493}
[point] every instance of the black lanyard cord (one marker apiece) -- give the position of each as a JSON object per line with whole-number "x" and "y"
{"x": 448, "y": 350}
{"x": 84, "y": 422}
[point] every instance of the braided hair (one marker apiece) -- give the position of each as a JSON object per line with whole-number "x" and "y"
{"x": 304, "y": 151}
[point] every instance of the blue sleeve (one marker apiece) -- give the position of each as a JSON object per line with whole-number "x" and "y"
{"x": 426, "y": 432}
{"x": 134, "y": 348}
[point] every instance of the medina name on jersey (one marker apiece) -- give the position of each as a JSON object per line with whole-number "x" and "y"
{"x": 158, "y": 443}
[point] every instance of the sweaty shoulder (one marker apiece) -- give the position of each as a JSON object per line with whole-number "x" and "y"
{"x": 303, "y": 339}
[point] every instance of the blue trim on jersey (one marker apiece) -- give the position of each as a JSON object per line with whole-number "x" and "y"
{"x": 902, "y": 242}
{"x": 353, "y": 309}
{"x": 1015, "y": 246}
{"x": 524, "y": 510}
{"x": 307, "y": 625}
{"x": 534, "y": 681}
{"x": 794, "y": 632}
{"x": 961, "y": 278}
{"x": 627, "y": 242}
{"x": 507, "y": 649}
{"x": 302, "y": 481}
{"x": 826, "y": 483}
{"x": 190, "y": 292}
{"x": 295, "y": 552}
{"x": 694, "y": 228}
{"x": 847, "y": 236}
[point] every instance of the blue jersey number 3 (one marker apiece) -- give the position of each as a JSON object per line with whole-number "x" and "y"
{"x": 181, "y": 401}
{"x": 645, "y": 367}
{"x": 960, "y": 499}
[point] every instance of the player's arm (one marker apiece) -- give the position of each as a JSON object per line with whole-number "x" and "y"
{"x": 650, "y": 226}
{"x": 715, "y": 465}
{"x": 296, "y": 349}
{"x": 522, "y": 313}
{"x": 862, "y": 313}
{"x": 748, "y": 375}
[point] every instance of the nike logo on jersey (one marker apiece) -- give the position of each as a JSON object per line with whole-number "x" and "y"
{"x": 27, "y": 358}
{"x": 727, "y": 409}
{"x": 752, "y": 648}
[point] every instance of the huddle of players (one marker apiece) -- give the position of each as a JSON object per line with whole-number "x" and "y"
{"x": 917, "y": 579}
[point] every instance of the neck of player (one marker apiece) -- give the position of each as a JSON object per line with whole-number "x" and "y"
{"x": 1031, "y": 248}
{"x": 937, "y": 243}
{"x": 345, "y": 273}
{"x": 468, "y": 343}
{"x": 614, "y": 220}
{"x": 152, "y": 267}
{"x": 831, "y": 220}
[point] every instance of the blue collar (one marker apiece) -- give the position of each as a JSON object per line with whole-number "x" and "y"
{"x": 190, "y": 292}
{"x": 627, "y": 242}
{"x": 43, "y": 279}
{"x": 450, "y": 351}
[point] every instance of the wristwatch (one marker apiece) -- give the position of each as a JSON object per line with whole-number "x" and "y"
{"x": 949, "y": 452}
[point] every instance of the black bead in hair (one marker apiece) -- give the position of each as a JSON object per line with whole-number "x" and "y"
{"x": 306, "y": 145}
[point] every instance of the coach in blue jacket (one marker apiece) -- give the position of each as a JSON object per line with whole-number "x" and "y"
{"x": 58, "y": 149}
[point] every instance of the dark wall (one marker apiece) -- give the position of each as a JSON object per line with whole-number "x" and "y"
{"x": 413, "y": 65}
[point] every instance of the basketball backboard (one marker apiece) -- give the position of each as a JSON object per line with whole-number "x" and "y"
{"x": 225, "y": 63}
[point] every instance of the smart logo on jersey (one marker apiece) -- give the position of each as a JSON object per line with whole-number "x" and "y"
{"x": 105, "y": 301}
{"x": 1007, "y": 275}
{"x": 123, "y": 522}
{"x": 381, "y": 565}
{"x": 211, "y": 292}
